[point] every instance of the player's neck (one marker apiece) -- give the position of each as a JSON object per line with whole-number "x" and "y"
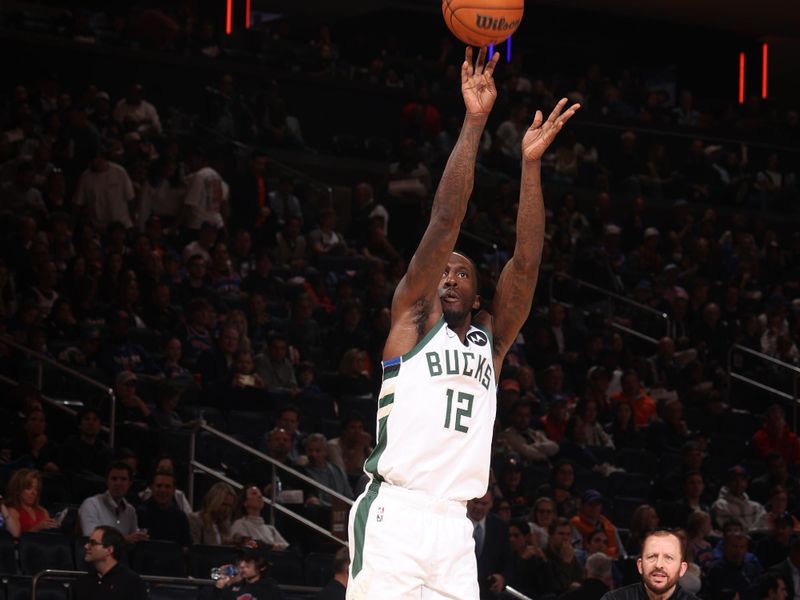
{"x": 460, "y": 327}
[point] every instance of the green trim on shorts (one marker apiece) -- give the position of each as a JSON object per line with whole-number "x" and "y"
{"x": 421, "y": 344}
{"x": 371, "y": 466}
{"x": 360, "y": 526}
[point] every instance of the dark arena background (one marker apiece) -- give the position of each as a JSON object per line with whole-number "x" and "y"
{"x": 205, "y": 208}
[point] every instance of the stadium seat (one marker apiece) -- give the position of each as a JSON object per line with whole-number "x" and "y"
{"x": 287, "y": 567}
{"x": 636, "y": 460}
{"x": 19, "y": 588}
{"x": 629, "y": 484}
{"x": 173, "y": 592}
{"x": 250, "y": 425}
{"x": 44, "y": 550}
{"x": 8, "y": 558}
{"x": 318, "y": 568}
{"x": 586, "y": 479}
{"x": 204, "y": 558}
{"x": 158, "y": 558}
{"x": 623, "y": 507}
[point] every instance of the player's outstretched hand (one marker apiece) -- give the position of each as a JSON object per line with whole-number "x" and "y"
{"x": 542, "y": 133}
{"x": 477, "y": 83}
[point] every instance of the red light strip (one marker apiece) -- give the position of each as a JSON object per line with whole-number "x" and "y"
{"x": 741, "y": 77}
{"x": 247, "y": 15}
{"x": 764, "y": 50}
{"x": 229, "y": 18}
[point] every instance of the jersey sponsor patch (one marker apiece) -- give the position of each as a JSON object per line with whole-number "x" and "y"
{"x": 478, "y": 338}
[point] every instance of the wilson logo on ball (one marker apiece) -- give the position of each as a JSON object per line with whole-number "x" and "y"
{"x": 488, "y": 23}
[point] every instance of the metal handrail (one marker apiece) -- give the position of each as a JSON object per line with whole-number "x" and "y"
{"x": 50, "y": 573}
{"x": 516, "y": 594}
{"x": 272, "y": 504}
{"x": 53, "y": 402}
{"x": 109, "y": 391}
{"x": 794, "y": 397}
{"x": 614, "y": 296}
{"x": 275, "y": 463}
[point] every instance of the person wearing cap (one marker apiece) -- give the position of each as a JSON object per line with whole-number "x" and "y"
{"x": 734, "y": 504}
{"x": 531, "y": 444}
{"x": 590, "y": 518}
{"x": 251, "y": 581}
{"x": 131, "y": 408}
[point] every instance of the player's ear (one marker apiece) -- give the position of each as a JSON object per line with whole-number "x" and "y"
{"x": 477, "y": 303}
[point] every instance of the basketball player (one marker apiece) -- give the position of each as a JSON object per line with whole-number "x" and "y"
{"x": 409, "y": 533}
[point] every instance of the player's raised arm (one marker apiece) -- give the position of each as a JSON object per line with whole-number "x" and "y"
{"x": 415, "y": 296}
{"x": 514, "y": 295}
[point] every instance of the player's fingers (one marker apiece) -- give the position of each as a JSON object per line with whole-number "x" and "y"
{"x": 492, "y": 64}
{"x": 480, "y": 62}
{"x": 466, "y": 68}
{"x": 557, "y": 111}
{"x": 537, "y": 120}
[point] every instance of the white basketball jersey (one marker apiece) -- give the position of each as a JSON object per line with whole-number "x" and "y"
{"x": 436, "y": 412}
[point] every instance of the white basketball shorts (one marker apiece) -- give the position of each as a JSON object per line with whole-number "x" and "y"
{"x": 406, "y": 545}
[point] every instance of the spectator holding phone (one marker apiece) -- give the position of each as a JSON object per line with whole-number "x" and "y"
{"x": 24, "y": 511}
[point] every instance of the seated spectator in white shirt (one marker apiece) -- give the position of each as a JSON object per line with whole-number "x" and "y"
{"x": 104, "y": 193}
{"x": 251, "y": 524}
{"x": 111, "y": 508}
{"x": 133, "y": 108}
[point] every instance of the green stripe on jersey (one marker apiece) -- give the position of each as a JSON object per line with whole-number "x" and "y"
{"x": 371, "y": 466}
{"x": 386, "y": 400}
{"x": 360, "y": 526}
{"x": 421, "y": 344}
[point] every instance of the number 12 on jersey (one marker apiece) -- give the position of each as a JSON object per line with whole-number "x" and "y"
{"x": 461, "y": 400}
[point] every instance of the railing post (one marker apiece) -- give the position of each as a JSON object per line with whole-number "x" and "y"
{"x": 190, "y": 466}
{"x": 112, "y": 426}
{"x": 273, "y": 487}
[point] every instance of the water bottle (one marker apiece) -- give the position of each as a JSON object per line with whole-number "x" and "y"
{"x": 224, "y": 571}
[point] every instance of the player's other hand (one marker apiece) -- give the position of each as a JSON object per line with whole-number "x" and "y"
{"x": 477, "y": 82}
{"x": 497, "y": 583}
{"x": 541, "y": 133}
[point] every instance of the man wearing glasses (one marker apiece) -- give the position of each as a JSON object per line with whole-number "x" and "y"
{"x": 107, "y": 577}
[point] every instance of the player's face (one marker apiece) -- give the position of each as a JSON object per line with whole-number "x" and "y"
{"x": 661, "y": 565}
{"x": 458, "y": 289}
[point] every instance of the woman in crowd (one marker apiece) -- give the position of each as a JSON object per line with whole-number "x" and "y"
{"x": 251, "y": 526}
{"x": 212, "y": 524}
{"x": 24, "y": 511}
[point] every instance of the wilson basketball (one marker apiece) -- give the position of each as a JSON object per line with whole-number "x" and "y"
{"x": 482, "y": 22}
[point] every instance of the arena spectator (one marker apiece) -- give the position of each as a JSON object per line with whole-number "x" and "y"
{"x": 336, "y": 587}
{"x": 250, "y": 525}
{"x": 108, "y": 577}
{"x": 216, "y": 365}
{"x": 590, "y": 517}
{"x": 644, "y": 407}
{"x": 531, "y": 444}
{"x": 104, "y": 193}
{"x": 111, "y": 508}
{"x": 86, "y": 451}
{"x": 492, "y": 549}
{"x": 542, "y": 514}
{"x": 134, "y": 110}
{"x": 165, "y": 464}
{"x": 22, "y": 503}
{"x": 528, "y": 569}
{"x": 734, "y": 504}
{"x": 732, "y": 571}
{"x": 563, "y": 569}
{"x": 776, "y": 437}
{"x": 206, "y": 199}
{"x": 597, "y": 579}
{"x": 31, "y": 445}
{"x": 212, "y": 524}
{"x": 275, "y": 366}
{"x": 161, "y": 516}
{"x": 253, "y": 564}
